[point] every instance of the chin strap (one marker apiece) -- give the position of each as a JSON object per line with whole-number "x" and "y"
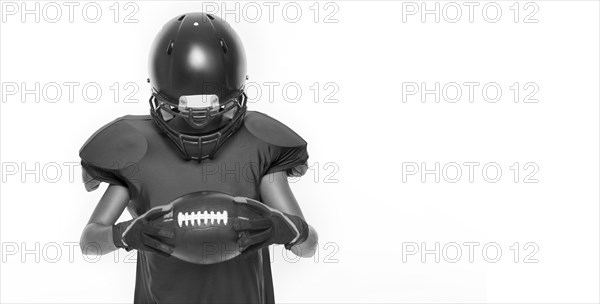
{"x": 199, "y": 147}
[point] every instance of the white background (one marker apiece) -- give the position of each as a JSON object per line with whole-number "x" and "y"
{"x": 354, "y": 194}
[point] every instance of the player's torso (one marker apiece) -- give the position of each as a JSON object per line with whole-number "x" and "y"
{"x": 132, "y": 151}
{"x": 162, "y": 174}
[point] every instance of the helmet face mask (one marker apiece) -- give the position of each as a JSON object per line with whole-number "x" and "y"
{"x": 197, "y": 72}
{"x": 198, "y": 147}
{"x": 196, "y": 116}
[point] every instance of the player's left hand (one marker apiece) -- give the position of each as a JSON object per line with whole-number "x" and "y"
{"x": 275, "y": 227}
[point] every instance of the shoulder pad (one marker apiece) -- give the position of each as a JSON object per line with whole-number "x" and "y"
{"x": 271, "y": 130}
{"x": 114, "y": 146}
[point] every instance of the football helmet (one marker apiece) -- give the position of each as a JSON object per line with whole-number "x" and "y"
{"x": 197, "y": 70}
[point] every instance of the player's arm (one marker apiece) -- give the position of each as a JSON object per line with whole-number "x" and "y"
{"x": 98, "y": 233}
{"x": 275, "y": 192}
{"x": 281, "y": 220}
{"x": 285, "y": 154}
{"x": 106, "y": 157}
{"x": 101, "y": 233}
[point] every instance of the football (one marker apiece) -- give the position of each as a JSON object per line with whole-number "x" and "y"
{"x": 202, "y": 223}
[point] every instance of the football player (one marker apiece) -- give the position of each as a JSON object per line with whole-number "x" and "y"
{"x": 197, "y": 137}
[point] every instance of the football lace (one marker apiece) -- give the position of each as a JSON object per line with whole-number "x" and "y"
{"x": 202, "y": 218}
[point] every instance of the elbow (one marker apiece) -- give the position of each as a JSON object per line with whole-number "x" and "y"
{"x": 309, "y": 247}
{"x": 87, "y": 244}
{"x": 308, "y": 253}
{"x": 84, "y": 239}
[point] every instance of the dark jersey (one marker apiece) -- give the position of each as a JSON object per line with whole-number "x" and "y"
{"x": 132, "y": 151}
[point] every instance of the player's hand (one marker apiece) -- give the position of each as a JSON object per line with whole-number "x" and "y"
{"x": 143, "y": 234}
{"x": 275, "y": 227}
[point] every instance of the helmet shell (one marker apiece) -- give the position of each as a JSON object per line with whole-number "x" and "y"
{"x": 197, "y": 54}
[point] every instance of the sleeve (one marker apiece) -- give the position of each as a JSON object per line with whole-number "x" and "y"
{"x": 92, "y": 176}
{"x": 292, "y": 160}
{"x": 110, "y": 153}
{"x": 283, "y": 149}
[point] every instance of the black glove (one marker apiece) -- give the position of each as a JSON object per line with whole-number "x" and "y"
{"x": 274, "y": 227}
{"x": 143, "y": 234}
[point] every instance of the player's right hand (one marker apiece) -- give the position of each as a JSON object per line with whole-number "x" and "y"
{"x": 142, "y": 233}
